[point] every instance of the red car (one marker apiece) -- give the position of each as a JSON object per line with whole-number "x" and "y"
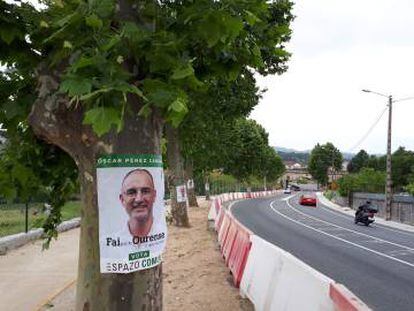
{"x": 307, "y": 199}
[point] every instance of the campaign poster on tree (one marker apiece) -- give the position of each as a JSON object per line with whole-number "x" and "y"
{"x": 132, "y": 225}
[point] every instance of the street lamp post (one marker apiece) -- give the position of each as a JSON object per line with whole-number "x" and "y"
{"x": 388, "y": 186}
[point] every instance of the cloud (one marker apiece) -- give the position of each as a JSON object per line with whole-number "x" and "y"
{"x": 339, "y": 48}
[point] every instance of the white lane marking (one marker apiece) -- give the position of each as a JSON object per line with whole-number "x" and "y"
{"x": 400, "y": 231}
{"x": 350, "y": 230}
{"x": 343, "y": 240}
{"x": 288, "y": 198}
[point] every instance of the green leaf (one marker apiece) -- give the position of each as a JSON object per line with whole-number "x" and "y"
{"x": 182, "y": 72}
{"x": 104, "y": 8}
{"x": 125, "y": 88}
{"x": 8, "y": 192}
{"x": 179, "y": 105}
{"x": 76, "y": 86}
{"x": 111, "y": 43}
{"x": 257, "y": 56}
{"x": 21, "y": 173}
{"x": 12, "y": 109}
{"x": 83, "y": 62}
{"x": 102, "y": 119}
{"x": 159, "y": 93}
{"x": 44, "y": 24}
{"x": 233, "y": 73}
{"x": 67, "y": 45}
{"x": 177, "y": 111}
{"x": 145, "y": 111}
{"x": 95, "y": 93}
{"x": 234, "y": 26}
{"x": 8, "y": 35}
{"x": 93, "y": 21}
{"x": 251, "y": 18}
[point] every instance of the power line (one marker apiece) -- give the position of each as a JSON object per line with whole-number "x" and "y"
{"x": 369, "y": 130}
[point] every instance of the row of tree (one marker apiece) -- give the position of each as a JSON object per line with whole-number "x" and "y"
{"x": 402, "y": 172}
{"x": 133, "y": 77}
{"x": 366, "y": 172}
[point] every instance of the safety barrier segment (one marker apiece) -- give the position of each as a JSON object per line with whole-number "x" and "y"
{"x": 228, "y": 242}
{"x": 217, "y": 202}
{"x": 219, "y": 219}
{"x": 217, "y": 205}
{"x": 345, "y": 300}
{"x": 213, "y": 212}
{"x": 275, "y": 280}
{"x": 224, "y": 228}
{"x": 239, "y": 252}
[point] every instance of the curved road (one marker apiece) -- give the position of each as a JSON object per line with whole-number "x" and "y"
{"x": 375, "y": 262}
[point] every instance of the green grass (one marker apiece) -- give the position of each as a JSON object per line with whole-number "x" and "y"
{"x": 12, "y": 216}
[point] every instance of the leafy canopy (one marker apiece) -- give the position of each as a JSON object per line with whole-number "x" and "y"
{"x": 158, "y": 51}
{"x": 322, "y": 158}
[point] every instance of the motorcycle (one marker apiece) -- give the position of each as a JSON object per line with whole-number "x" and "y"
{"x": 366, "y": 216}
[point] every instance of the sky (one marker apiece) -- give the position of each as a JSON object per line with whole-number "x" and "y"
{"x": 339, "y": 48}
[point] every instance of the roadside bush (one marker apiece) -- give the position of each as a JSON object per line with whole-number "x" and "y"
{"x": 367, "y": 180}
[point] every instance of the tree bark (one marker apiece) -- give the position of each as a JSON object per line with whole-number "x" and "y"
{"x": 176, "y": 177}
{"x": 53, "y": 120}
{"x": 192, "y": 198}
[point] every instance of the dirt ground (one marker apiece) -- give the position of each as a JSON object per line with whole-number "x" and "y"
{"x": 195, "y": 276}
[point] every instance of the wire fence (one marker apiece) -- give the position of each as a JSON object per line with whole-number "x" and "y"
{"x": 21, "y": 217}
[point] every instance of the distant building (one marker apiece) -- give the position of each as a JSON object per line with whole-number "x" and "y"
{"x": 292, "y": 165}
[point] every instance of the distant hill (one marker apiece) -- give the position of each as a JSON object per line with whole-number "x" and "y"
{"x": 302, "y": 157}
{"x": 286, "y": 154}
{"x": 289, "y": 150}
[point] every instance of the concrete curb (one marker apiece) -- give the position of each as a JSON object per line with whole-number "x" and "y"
{"x": 16, "y": 240}
{"x": 350, "y": 212}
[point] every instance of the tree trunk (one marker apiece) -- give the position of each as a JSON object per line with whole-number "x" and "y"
{"x": 54, "y": 122}
{"x": 192, "y": 198}
{"x": 176, "y": 179}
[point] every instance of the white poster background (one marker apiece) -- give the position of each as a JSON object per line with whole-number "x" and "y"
{"x": 113, "y": 222}
{"x": 181, "y": 193}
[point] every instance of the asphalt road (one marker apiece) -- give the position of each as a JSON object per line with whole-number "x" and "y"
{"x": 375, "y": 262}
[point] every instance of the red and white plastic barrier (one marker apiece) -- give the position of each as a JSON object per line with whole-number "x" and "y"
{"x": 344, "y": 299}
{"x": 275, "y": 280}
{"x": 270, "y": 277}
{"x": 239, "y": 252}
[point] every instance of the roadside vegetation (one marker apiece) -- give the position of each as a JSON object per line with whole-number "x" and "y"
{"x": 12, "y": 216}
{"x": 367, "y": 173}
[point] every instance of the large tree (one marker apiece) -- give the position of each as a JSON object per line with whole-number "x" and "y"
{"x": 359, "y": 161}
{"x": 109, "y": 74}
{"x": 322, "y": 158}
{"x": 402, "y": 168}
{"x": 231, "y": 92}
{"x": 204, "y": 132}
{"x": 249, "y": 154}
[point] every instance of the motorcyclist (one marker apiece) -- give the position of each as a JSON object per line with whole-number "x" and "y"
{"x": 362, "y": 208}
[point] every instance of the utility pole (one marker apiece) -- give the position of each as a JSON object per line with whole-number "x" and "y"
{"x": 388, "y": 186}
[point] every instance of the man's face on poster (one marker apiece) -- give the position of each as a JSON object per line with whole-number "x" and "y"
{"x": 138, "y": 196}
